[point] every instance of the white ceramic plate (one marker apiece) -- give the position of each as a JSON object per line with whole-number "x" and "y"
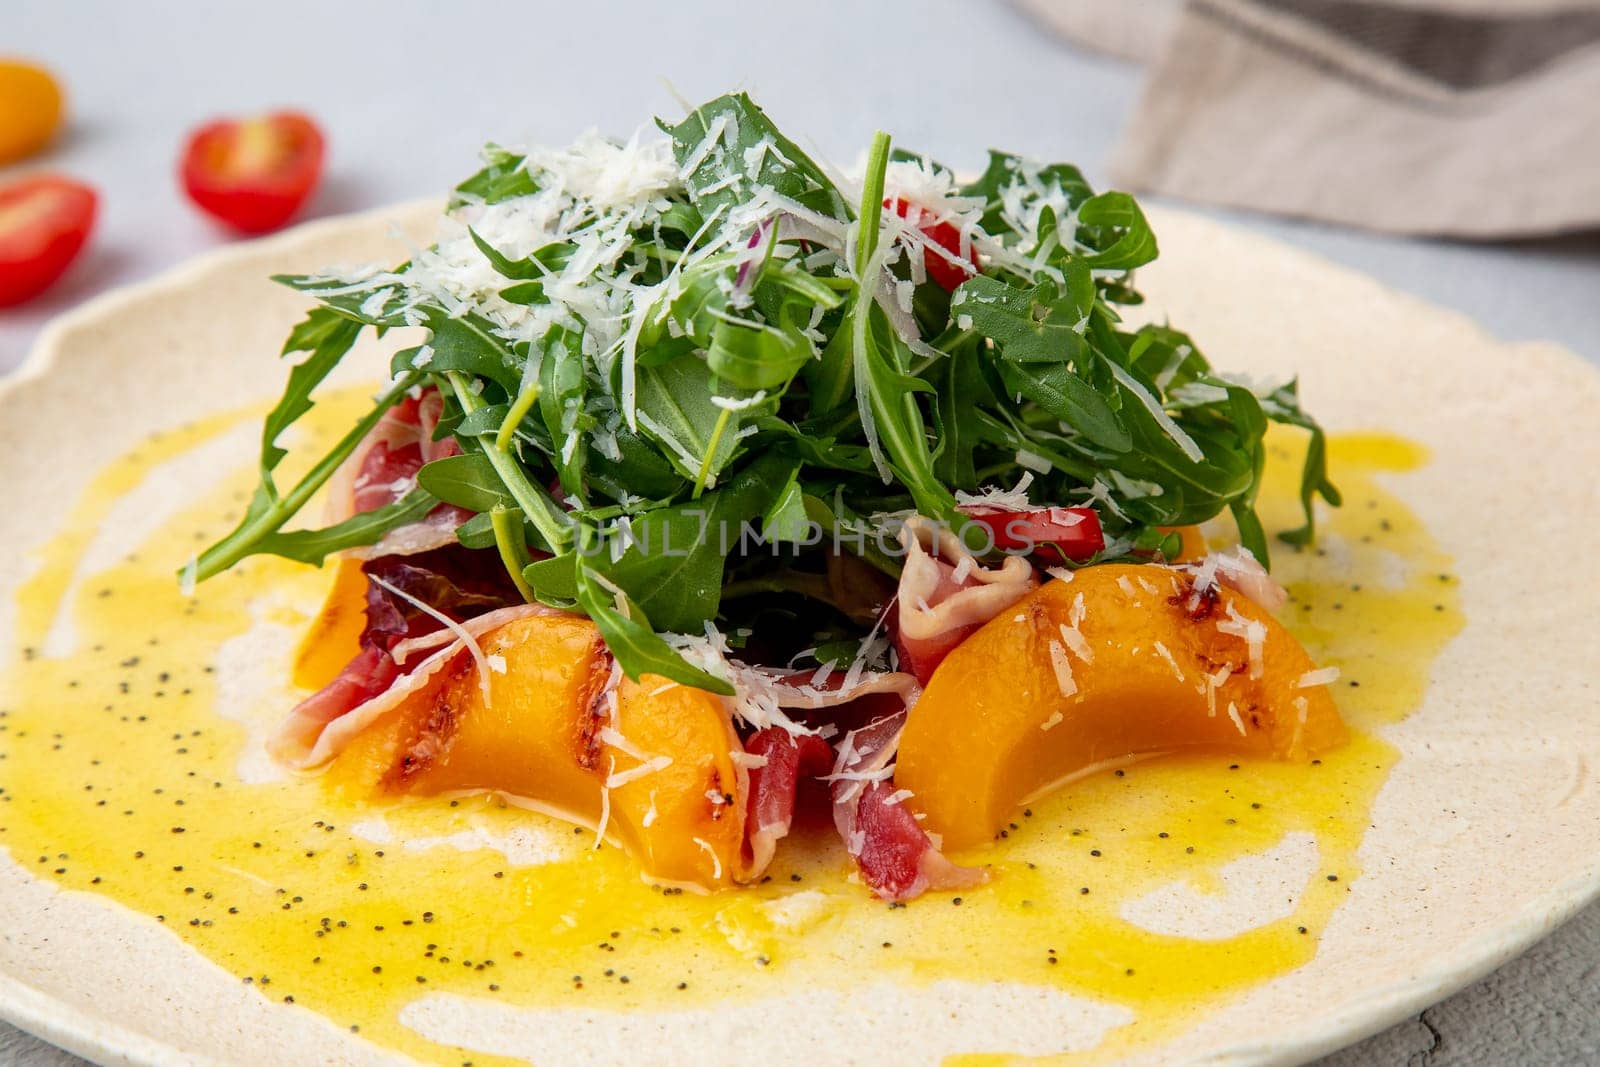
{"x": 1485, "y": 837}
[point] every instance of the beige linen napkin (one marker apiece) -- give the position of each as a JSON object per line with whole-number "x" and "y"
{"x": 1474, "y": 118}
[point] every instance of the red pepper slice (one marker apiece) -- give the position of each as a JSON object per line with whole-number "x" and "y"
{"x": 1048, "y": 534}
{"x": 44, "y": 221}
{"x": 948, "y": 271}
{"x": 253, "y": 174}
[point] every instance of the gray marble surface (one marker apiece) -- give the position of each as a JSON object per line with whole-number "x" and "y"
{"x": 408, "y": 90}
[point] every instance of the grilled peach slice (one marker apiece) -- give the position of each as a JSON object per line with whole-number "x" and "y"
{"x": 1118, "y": 662}
{"x": 546, "y": 735}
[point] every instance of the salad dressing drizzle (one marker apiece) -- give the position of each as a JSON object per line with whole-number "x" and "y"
{"x": 121, "y": 778}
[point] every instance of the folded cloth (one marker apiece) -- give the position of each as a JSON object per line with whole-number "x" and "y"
{"x": 1473, "y": 118}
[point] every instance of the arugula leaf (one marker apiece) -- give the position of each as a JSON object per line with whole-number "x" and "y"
{"x": 675, "y": 411}
{"x": 467, "y": 344}
{"x": 673, "y": 563}
{"x": 963, "y": 393}
{"x": 891, "y": 393}
{"x": 562, "y": 386}
{"x": 752, "y": 356}
{"x": 1005, "y": 170}
{"x": 379, "y": 304}
{"x": 547, "y": 260}
{"x": 633, "y": 640}
{"x": 1072, "y": 400}
{"x": 502, "y": 178}
{"x": 1035, "y": 325}
{"x": 479, "y": 531}
{"x": 364, "y": 528}
{"x": 1283, "y": 405}
{"x": 267, "y": 512}
{"x": 1125, "y": 240}
{"x": 468, "y": 481}
{"x": 721, "y": 173}
{"x": 785, "y": 518}
{"x": 327, "y": 336}
{"x": 639, "y": 469}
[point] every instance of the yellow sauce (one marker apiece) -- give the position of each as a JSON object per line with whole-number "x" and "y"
{"x": 118, "y": 776}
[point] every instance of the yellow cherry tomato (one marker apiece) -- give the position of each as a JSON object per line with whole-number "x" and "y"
{"x": 30, "y": 109}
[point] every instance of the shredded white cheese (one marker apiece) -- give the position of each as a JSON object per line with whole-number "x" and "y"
{"x": 1322, "y": 676}
{"x": 617, "y": 779}
{"x": 605, "y": 805}
{"x": 716, "y": 861}
{"x": 1063, "y": 669}
{"x": 1254, "y": 635}
{"x": 1161, "y": 650}
{"x": 1233, "y": 713}
{"x": 1077, "y": 642}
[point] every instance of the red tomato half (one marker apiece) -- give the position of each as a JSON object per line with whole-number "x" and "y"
{"x": 1048, "y": 534}
{"x": 44, "y": 221}
{"x": 253, "y": 174}
{"x": 948, "y": 271}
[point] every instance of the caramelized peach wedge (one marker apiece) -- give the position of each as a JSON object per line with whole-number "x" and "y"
{"x": 1116, "y": 662}
{"x": 550, "y": 728}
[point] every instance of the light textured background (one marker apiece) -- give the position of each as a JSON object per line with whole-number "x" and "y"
{"x": 407, "y": 92}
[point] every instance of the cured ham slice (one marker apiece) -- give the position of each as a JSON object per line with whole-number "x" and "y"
{"x": 782, "y": 758}
{"x": 945, "y": 594}
{"x": 363, "y": 679}
{"x": 897, "y": 859}
{"x": 781, "y": 762}
{"x": 384, "y": 468}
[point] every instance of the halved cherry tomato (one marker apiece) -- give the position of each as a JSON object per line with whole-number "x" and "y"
{"x": 948, "y": 271}
{"x": 253, "y": 174}
{"x": 1047, "y": 534}
{"x": 44, "y": 221}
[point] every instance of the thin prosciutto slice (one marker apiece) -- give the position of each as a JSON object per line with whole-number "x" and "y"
{"x": 384, "y": 468}
{"x": 897, "y": 859}
{"x": 945, "y": 594}
{"x": 363, "y": 679}
{"x": 781, "y": 762}
{"x": 784, "y": 756}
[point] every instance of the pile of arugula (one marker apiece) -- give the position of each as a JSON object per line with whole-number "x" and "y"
{"x": 786, "y": 361}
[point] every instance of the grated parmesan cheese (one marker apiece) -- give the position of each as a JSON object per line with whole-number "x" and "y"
{"x": 716, "y": 861}
{"x": 1254, "y": 635}
{"x": 1161, "y": 650}
{"x": 1233, "y": 713}
{"x": 1323, "y": 676}
{"x": 1063, "y": 669}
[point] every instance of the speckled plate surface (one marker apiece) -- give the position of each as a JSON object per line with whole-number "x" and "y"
{"x": 1486, "y": 835}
